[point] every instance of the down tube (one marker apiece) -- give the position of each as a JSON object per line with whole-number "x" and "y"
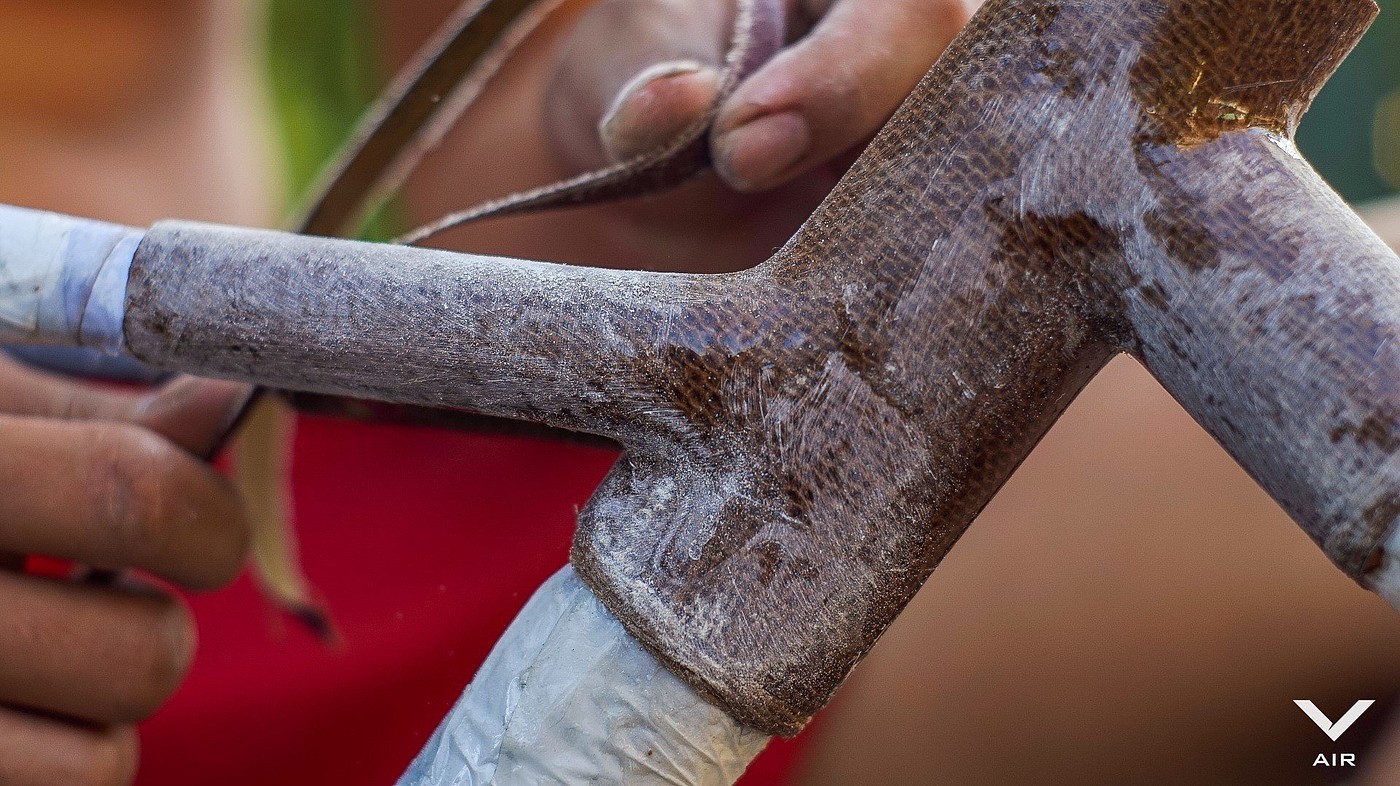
{"x": 1277, "y": 329}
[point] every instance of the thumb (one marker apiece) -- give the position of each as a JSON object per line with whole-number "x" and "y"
{"x": 196, "y": 414}
{"x": 634, "y": 74}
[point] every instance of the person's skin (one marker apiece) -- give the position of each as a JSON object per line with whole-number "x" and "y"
{"x": 118, "y": 110}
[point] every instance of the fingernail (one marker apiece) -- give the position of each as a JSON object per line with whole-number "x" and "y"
{"x": 656, "y": 106}
{"x": 759, "y": 153}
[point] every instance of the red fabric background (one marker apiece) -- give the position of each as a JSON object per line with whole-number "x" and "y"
{"x": 425, "y": 544}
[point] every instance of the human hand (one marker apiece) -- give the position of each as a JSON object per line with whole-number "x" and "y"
{"x": 636, "y": 72}
{"x": 110, "y": 480}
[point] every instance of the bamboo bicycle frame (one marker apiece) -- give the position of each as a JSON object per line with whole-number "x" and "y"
{"x": 807, "y": 439}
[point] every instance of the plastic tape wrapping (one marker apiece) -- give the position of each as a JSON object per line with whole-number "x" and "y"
{"x": 568, "y": 696}
{"x": 63, "y": 280}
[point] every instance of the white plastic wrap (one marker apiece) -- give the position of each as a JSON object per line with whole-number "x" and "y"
{"x": 62, "y": 279}
{"x": 568, "y": 696}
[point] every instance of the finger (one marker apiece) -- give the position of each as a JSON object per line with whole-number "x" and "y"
{"x": 656, "y": 106}
{"x": 193, "y": 413}
{"x": 99, "y": 655}
{"x": 37, "y": 751}
{"x": 113, "y": 496}
{"x": 831, "y": 90}
{"x": 633, "y": 75}
{"x": 27, "y": 391}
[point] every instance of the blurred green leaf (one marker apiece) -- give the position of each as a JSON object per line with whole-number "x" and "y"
{"x": 323, "y": 70}
{"x": 1349, "y": 131}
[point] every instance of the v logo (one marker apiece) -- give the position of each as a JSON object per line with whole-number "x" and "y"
{"x": 1334, "y": 730}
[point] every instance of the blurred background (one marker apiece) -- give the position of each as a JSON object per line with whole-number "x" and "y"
{"x": 1130, "y": 609}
